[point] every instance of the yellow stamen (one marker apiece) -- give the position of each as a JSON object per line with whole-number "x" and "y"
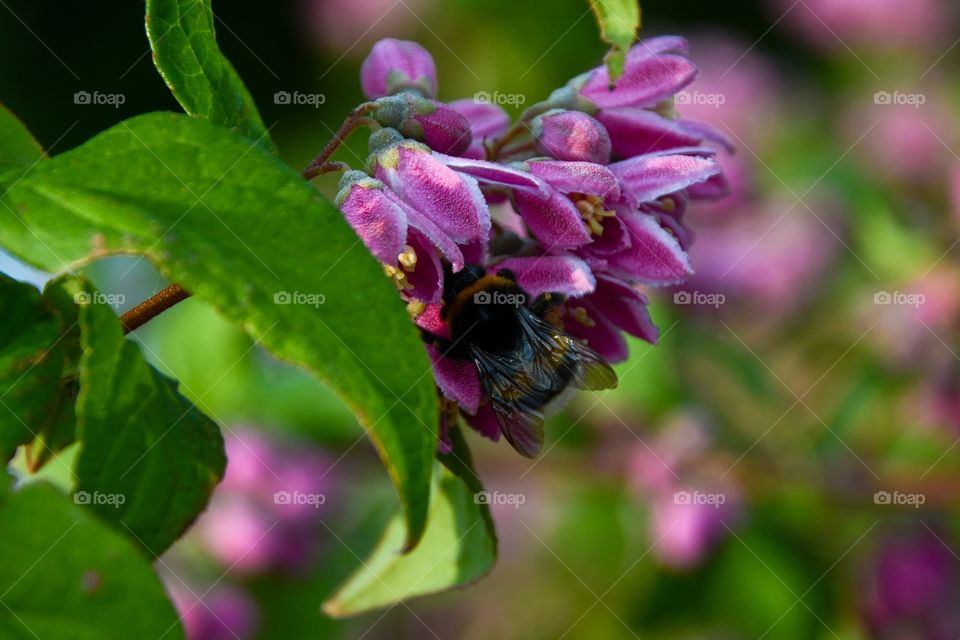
{"x": 408, "y": 259}
{"x": 408, "y": 262}
{"x": 592, "y": 211}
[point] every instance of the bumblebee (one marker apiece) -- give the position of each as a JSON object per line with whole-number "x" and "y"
{"x": 525, "y": 361}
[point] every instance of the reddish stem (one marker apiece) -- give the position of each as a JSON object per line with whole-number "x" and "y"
{"x": 152, "y": 307}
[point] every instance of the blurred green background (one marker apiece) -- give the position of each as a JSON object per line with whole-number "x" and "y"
{"x": 784, "y": 464}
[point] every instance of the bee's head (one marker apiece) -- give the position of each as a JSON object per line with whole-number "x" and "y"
{"x": 454, "y": 283}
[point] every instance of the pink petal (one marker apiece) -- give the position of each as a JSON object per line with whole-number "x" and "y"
{"x": 380, "y": 223}
{"x": 635, "y": 131}
{"x": 646, "y": 178}
{"x": 427, "y": 276}
{"x": 440, "y": 240}
{"x": 485, "y": 423}
{"x": 614, "y": 239}
{"x": 495, "y": 174}
{"x": 451, "y": 201}
{"x": 655, "y": 256}
{"x": 646, "y": 80}
{"x": 554, "y": 220}
{"x": 625, "y": 307}
{"x": 551, "y": 274}
{"x": 577, "y": 177}
{"x": 430, "y": 320}
{"x": 604, "y": 337}
{"x": 487, "y": 121}
{"x": 457, "y": 380}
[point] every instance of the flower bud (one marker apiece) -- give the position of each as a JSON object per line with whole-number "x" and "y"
{"x": 571, "y": 135}
{"x": 437, "y": 125}
{"x": 398, "y": 65}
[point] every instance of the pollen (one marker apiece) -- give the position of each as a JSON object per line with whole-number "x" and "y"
{"x": 408, "y": 259}
{"x": 408, "y": 262}
{"x": 580, "y": 315}
{"x": 592, "y": 211}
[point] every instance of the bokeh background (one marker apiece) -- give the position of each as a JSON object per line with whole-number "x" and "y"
{"x": 784, "y": 464}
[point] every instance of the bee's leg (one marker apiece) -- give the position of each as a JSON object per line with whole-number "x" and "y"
{"x": 545, "y": 302}
{"x": 549, "y": 306}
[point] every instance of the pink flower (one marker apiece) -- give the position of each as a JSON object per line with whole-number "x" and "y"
{"x": 877, "y": 24}
{"x": 437, "y": 125}
{"x": 224, "y": 613}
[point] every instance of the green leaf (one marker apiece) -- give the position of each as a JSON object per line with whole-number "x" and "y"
{"x": 203, "y": 81}
{"x": 17, "y": 145}
{"x": 456, "y": 549}
{"x": 238, "y": 228}
{"x": 619, "y": 21}
{"x": 149, "y": 460}
{"x": 65, "y": 576}
{"x": 37, "y": 345}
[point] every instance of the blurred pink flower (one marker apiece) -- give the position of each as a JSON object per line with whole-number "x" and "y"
{"x": 225, "y": 613}
{"x": 689, "y": 507}
{"x": 738, "y": 90}
{"x": 264, "y": 514}
{"x": 768, "y": 256}
{"x": 874, "y": 24}
{"x": 351, "y": 26}
{"x": 907, "y": 142}
{"x": 913, "y": 586}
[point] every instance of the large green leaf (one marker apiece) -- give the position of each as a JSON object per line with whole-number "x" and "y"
{"x": 17, "y": 145}
{"x": 65, "y": 576}
{"x": 37, "y": 348}
{"x": 149, "y": 460}
{"x": 458, "y": 548}
{"x": 245, "y": 233}
{"x": 619, "y": 21}
{"x": 203, "y": 81}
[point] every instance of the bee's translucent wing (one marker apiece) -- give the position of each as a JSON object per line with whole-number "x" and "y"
{"x": 594, "y": 374}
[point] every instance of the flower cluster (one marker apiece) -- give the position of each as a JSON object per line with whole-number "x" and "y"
{"x": 583, "y": 196}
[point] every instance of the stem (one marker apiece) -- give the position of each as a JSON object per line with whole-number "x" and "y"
{"x": 520, "y": 126}
{"x": 357, "y": 118}
{"x": 152, "y": 307}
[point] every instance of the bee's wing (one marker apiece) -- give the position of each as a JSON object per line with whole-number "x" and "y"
{"x": 515, "y": 400}
{"x": 552, "y": 353}
{"x": 594, "y": 374}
